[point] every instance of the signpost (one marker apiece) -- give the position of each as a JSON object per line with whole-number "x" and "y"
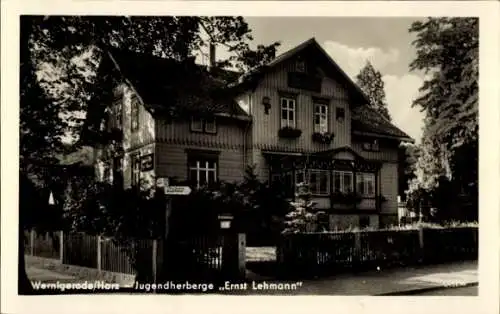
{"x": 177, "y": 190}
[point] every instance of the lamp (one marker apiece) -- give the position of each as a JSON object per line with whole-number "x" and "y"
{"x": 225, "y": 221}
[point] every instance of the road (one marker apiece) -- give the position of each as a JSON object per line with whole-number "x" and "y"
{"x": 463, "y": 291}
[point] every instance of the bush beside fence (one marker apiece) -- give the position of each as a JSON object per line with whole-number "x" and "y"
{"x": 313, "y": 254}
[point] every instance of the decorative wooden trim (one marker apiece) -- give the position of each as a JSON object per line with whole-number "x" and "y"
{"x": 378, "y": 135}
{"x": 201, "y": 151}
{"x": 207, "y": 144}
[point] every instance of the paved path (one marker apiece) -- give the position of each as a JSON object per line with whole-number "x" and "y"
{"x": 390, "y": 281}
{"x": 396, "y": 281}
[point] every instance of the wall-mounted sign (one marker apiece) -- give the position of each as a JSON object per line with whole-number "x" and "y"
{"x": 147, "y": 162}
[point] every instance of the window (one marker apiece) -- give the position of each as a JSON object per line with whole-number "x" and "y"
{"x": 134, "y": 115}
{"x": 365, "y": 184}
{"x": 371, "y": 146}
{"x": 118, "y": 115}
{"x": 136, "y": 169}
{"x": 196, "y": 125}
{"x": 319, "y": 182}
{"x": 343, "y": 182}
{"x": 203, "y": 125}
{"x": 320, "y": 118}
{"x": 210, "y": 126}
{"x": 288, "y": 112}
{"x": 202, "y": 170}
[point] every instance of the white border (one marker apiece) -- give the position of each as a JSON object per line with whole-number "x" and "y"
{"x": 487, "y": 302}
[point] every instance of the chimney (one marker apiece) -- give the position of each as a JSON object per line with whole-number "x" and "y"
{"x": 211, "y": 56}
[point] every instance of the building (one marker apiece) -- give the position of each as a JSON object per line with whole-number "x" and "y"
{"x": 298, "y": 118}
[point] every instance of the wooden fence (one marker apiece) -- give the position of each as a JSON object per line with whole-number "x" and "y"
{"x": 199, "y": 256}
{"x": 324, "y": 253}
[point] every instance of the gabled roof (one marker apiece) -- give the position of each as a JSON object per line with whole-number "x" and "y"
{"x": 257, "y": 73}
{"x": 364, "y": 118}
{"x": 163, "y": 84}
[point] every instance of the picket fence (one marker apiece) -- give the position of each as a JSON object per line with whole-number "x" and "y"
{"x": 325, "y": 253}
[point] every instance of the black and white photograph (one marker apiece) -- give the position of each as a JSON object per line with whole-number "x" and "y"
{"x": 234, "y": 155}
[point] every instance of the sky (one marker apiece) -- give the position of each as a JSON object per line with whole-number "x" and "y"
{"x": 385, "y": 42}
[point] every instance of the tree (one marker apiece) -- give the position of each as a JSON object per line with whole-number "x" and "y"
{"x": 371, "y": 83}
{"x": 408, "y": 155}
{"x": 304, "y": 215}
{"x": 447, "y": 51}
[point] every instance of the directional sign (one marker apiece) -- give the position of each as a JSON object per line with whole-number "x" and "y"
{"x": 177, "y": 190}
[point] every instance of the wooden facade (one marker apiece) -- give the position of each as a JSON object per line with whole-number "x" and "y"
{"x": 238, "y": 143}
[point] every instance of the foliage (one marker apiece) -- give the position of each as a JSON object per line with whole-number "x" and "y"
{"x": 289, "y": 132}
{"x": 371, "y": 83}
{"x": 447, "y": 51}
{"x": 304, "y": 213}
{"x": 323, "y": 138}
{"x": 255, "y": 205}
{"x": 66, "y": 50}
{"x": 408, "y": 155}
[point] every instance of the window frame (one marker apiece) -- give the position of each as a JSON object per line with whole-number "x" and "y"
{"x": 202, "y": 164}
{"x": 205, "y": 122}
{"x": 365, "y": 178}
{"x": 342, "y": 184}
{"x": 134, "y": 115}
{"x": 118, "y": 115}
{"x": 318, "y": 173}
{"x": 203, "y": 125}
{"x": 135, "y": 162}
{"x": 371, "y": 146}
{"x": 318, "y": 126}
{"x": 288, "y": 100}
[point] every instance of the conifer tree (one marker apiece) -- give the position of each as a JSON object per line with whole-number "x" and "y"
{"x": 305, "y": 213}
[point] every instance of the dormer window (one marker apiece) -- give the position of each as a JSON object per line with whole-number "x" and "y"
{"x": 207, "y": 125}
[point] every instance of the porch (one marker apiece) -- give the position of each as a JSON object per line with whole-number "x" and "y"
{"x": 341, "y": 181}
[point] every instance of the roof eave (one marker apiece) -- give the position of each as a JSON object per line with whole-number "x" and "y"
{"x": 380, "y": 135}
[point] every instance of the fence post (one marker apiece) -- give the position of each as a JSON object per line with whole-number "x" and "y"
{"x": 32, "y": 242}
{"x": 99, "y": 253}
{"x": 421, "y": 242}
{"x": 154, "y": 257}
{"x": 242, "y": 255}
{"x": 61, "y": 246}
{"x": 357, "y": 248}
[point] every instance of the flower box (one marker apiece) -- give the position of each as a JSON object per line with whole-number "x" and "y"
{"x": 289, "y": 132}
{"x": 322, "y": 138}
